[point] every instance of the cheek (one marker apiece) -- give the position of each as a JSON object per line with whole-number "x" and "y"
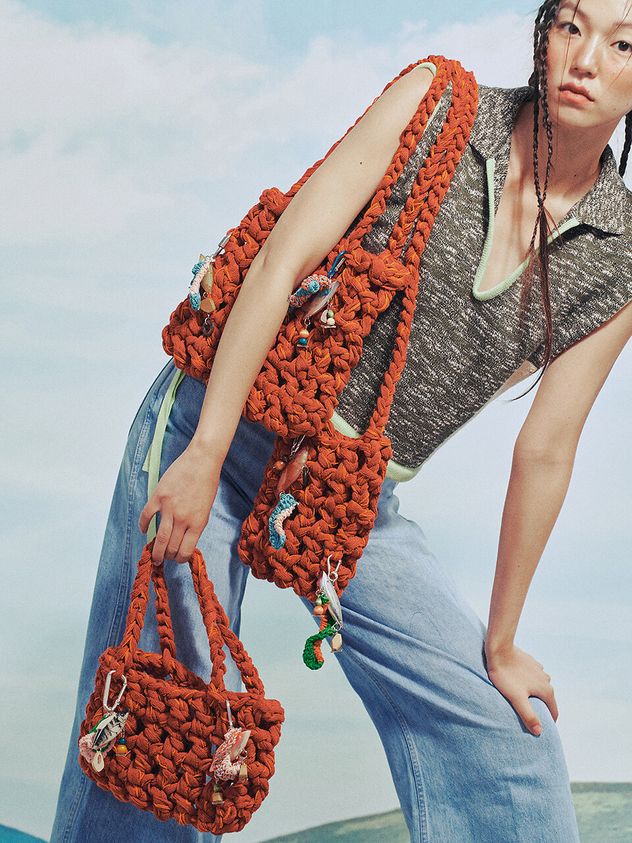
{"x": 558, "y": 59}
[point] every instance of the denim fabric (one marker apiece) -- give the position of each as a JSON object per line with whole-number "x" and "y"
{"x": 465, "y": 768}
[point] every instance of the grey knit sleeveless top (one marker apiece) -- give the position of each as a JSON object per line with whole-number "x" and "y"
{"x": 465, "y": 343}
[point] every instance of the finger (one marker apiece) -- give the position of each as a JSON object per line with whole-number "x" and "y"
{"x": 162, "y": 538}
{"x": 173, "y": 546}
{"x": 188, "y": 545}
{"x": 149, "y": 510}
{"x": 528, "y": 716}
{"x": 552, "y": 703}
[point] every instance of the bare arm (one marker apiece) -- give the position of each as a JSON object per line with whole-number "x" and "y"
{"x": 316, "y": 218}
{"x": 542, "y": 465}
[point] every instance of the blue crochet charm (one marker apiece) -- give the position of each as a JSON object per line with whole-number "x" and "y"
{"x": 286, "y": 505}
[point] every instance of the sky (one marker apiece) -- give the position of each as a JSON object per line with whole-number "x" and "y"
{"x": 133, "y": 135}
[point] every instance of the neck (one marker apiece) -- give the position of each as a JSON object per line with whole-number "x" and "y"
{"x": 575, "y": 162}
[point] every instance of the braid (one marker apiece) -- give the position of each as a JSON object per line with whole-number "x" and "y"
{"x": 538, "y": 81}
{"x": 628, "y": 142}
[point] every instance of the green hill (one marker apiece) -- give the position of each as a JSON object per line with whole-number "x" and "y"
{"x": 604, "y": 815}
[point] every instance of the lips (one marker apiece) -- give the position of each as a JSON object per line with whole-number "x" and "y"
{"x": 576, "y": 89}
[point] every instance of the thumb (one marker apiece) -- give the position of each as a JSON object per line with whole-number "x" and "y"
{"x": 149, "y": 510}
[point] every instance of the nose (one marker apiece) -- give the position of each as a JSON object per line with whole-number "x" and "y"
{"x": 586, "y": 57}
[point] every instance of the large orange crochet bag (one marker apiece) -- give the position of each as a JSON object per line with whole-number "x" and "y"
{"x": 157, "y": 735}
{"x": 317, "y": 504}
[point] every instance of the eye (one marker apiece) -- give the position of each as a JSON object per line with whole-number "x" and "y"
{"x": 568, "y": 23}
{"x": 627, "y": 45}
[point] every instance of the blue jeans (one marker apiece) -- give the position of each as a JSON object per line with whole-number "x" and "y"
{"x": 465, "y": 768}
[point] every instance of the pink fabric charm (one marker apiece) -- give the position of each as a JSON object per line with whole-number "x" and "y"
{"x": 230, "y": 754}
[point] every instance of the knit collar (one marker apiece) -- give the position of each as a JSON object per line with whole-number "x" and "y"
{"x": 607, "y": 204}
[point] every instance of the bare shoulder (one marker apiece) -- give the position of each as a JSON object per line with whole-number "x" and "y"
{"x": 345, "y": 181}
{"x": 390, "y": 113}
{"x": 570, "y": 385}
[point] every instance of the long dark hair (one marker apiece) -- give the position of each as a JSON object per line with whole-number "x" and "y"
{"x": 547, "y": 14}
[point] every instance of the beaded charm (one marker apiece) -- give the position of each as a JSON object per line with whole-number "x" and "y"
{"x": 327, "y": 318}
{"x": 312, "y": 295}
{"x": 303, "y": 337}
{"x": 101, "y": 738}
{"x": 328, "y": 608}
{"x": 203, "y": 278}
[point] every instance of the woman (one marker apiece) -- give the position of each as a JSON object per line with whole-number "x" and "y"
{"x": 466, "y": 717}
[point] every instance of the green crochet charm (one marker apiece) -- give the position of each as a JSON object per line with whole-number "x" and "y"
{"x": 312, "y": 655}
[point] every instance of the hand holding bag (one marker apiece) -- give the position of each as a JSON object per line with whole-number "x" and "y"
{"x": 158, "y": 736}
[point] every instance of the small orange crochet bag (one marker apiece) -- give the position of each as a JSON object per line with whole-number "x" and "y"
{"x": 319, "y": 496}
{"x": 158, "y": 736}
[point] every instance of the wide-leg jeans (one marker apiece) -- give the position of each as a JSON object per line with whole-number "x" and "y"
{"x": 465, "y": 768}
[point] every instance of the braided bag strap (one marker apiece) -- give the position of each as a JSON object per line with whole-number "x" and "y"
{"x": 420, "y": 212}
{"x": 215, "y": 620}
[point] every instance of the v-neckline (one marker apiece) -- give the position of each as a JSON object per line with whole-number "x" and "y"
{"x": 501, "y": 286}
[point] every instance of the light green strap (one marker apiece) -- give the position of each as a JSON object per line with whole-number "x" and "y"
{"x": 152, "y": 460}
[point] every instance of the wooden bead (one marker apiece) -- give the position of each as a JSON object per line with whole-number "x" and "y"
{"x": 243, "y": 772}
{"x": 304, "y": 333}
{"x": 336, "y": 642}
{"x": 207, "y": 305}
{"x": 207, "y": 281}
{"x": 319, "y": 610}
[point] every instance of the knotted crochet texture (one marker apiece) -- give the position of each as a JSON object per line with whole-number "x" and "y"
{"x": 297, "y": 388}
{"x": 176, "y": 719}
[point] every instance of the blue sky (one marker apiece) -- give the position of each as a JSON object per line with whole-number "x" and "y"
{"x": 134, "y": 134}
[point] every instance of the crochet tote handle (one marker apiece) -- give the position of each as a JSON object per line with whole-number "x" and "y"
{"x": 433, "y": 181}
{"x": 215, "y": 620}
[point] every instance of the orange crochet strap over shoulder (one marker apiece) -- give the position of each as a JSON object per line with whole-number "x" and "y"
{"x": 318, "y": 500}
{"x": 295, "y": 392}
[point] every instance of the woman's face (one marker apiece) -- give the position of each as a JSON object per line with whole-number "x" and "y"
{"x": 587, "y": 49}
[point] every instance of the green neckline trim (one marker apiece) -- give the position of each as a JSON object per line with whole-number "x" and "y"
{"x": 394, "y": 470}
{"x": 484, "y": 295}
